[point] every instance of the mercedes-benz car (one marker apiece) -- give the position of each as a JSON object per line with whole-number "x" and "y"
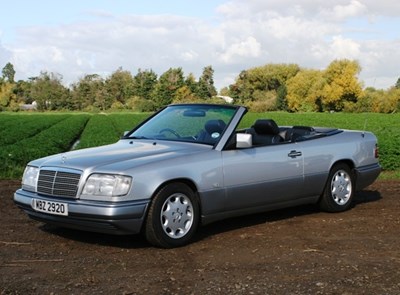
{"x": 190, "y": 164}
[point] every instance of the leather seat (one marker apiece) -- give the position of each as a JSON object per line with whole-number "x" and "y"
{"x": 265, "y": 132}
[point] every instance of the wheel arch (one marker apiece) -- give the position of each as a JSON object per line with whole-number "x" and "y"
{"x": 350, "y": 163}
{"x": 189, "y": 182}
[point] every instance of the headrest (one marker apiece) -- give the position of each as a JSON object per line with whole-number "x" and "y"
{"x": 213, "y": 126}
{"x": 266, "y": 126}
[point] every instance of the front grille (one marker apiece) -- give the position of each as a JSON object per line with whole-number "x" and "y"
{"x": 58, "y": 183}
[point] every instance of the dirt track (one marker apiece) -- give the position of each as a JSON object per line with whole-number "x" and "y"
{"x": 292, "y": 251}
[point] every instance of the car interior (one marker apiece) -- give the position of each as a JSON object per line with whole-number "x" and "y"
{"x": 266, "y": 132}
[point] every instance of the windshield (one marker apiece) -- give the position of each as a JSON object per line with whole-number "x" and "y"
{"x": 190, "y": 123}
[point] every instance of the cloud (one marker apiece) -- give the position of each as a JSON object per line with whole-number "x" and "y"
{"x": 241, "y": 34}
{"x": 248, "y": 48}
{"x": 133, "y": 42}
{"x": 340, "y": 12}
{"x": 338, "y": 48}
{"x": 5, "y": 55}
{"x": 314, "y": 33}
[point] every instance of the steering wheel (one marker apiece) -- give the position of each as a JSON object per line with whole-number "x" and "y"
{"x": 170, "y": 131}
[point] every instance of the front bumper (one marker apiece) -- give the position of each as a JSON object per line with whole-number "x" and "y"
{"x": 104, "y": 217}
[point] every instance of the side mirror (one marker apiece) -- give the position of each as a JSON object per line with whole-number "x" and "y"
{"x": 244, "y": 140}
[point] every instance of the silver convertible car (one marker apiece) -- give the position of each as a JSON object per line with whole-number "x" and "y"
{"x": 191, "y": 164}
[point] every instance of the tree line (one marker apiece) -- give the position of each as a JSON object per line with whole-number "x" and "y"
{"x": 290, "y": 88}
{"x": 272, "y": 87}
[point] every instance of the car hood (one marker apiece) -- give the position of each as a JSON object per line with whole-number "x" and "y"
{"x": 120, "y": 156}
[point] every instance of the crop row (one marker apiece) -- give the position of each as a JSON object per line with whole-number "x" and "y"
{"x": 55, "y": 139}
{"x": 125, "y": 122}
{"x": 105, "y": 129}
{"x": 100, "y": 130}
{"x": 15, "y": 128}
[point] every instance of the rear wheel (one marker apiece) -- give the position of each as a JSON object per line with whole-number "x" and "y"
{"x": 173, "y": 216}
{"x": 339, "y": 190}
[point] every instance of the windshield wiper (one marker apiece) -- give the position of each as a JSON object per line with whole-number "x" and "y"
{"x": 137, "y": 137}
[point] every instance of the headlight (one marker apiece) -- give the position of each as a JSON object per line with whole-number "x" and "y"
{"x": 107, "y": 185}
{"x": 29, "y": 180}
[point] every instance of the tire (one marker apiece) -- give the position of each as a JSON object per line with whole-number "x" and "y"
{"x": 339, "y": 189}
{"x": 173, "y": 216}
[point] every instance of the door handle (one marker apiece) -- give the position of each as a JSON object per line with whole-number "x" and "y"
{"x": 293, "y": 154}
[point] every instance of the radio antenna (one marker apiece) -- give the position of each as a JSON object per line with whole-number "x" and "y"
{"x": 365, "y": 127}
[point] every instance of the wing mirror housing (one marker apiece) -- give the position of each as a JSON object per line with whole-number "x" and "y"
{"x": 244, "y": 140}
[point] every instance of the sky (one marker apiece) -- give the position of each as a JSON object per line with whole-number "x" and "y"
{"x": 75, "y": 38}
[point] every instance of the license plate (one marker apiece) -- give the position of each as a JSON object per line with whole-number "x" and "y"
{"x": 50, "y": 207}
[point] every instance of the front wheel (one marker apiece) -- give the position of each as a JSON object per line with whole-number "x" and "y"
{"x": 173, "y": 216}
{"x": 339, "y": 190}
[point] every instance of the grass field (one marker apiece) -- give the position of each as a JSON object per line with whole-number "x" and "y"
{"x": 27, "y": 136}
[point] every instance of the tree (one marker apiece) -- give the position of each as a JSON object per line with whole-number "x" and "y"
{"x": 342, "y": 85}
{"x": 167, "y": 85}
{"x": 262, "y": 82}
{"x": 7, "y": 96}
{"x": 144, "y": 84}
{"x": 387, "y": 102}
{"x": 304, "y": 91}
{"x": 206, "y": 88}
{"x": 22, "y": 91}
{"x": 281, "y": 101}
{"x": 397, "y": 84}
{"x": 365, "y": 101}
{"x": 48, "y": 92}
{"x": 191, "y": 83}
{"x": 89, "y": 92}
{"x": 185, "y": 95}
{"x": 119, "y": 87}
{"x": 8, "y": 73}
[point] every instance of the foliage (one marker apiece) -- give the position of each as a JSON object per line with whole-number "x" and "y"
{"x": 389, "y": 102}
{"x": 341, "y": 84}
{"x": 185, "y": 95}
{"x": 89, "y": 91}
{"x": 206, "y": 88}
{"x": 264, "y": 88}
{"x": 397, "y": 84}
{"x": 49, "y": 93}
{"x": 304, "y": 91}
{"x": 8, "y": 73}
{"x": 7, "y": 95}
{"x": 333, "y": 89}
{"x": 262, "y": 81}
{"x": 119, "y": 88}
{"x": 144, "y": 84}
{"x": 168, "y": 85}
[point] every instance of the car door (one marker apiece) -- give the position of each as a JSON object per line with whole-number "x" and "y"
{"x": 262, "y": 176}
